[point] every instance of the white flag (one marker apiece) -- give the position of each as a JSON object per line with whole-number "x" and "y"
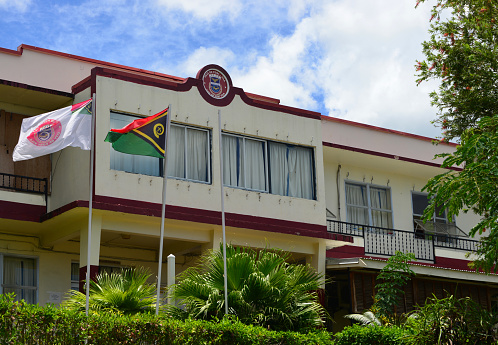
{"x": 53, "y": 131}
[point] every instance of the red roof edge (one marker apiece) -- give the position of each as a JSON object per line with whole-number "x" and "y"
{"x": 98, "y": 62}
{"x": 17, "y": 52}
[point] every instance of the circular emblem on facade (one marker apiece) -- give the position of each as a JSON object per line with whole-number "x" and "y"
{"x": 215, "y": 83}
{"x": 46, "y": 133}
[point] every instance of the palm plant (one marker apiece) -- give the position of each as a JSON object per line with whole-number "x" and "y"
{"x": 263, "y": 289}
{"x": 368, "y": 318}
{"x": 126, "y": 293}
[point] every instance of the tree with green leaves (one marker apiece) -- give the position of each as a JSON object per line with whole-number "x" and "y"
{"x": 263, "y": 289}
{"x": 126, "y": 292}
{"x": 462, "y": 54}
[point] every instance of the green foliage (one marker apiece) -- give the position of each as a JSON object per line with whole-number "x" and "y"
{"x": 473, "y": 188}
{"x": 392, "y": 278}
{"x": 126, "y": 293}
{"x": 375, "y": 335}
{"x": 462, "y": 53}
{"x": 24, "y": 324}
{"x": 451, "y": 321}
{"x": 263, "y": 289}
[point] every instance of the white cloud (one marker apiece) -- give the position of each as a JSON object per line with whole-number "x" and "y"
{"x": 206, "y": 10}
{"x": 356, "y": 58}
{"x": 205, "y": 56}
{"x": 15, "y": 5}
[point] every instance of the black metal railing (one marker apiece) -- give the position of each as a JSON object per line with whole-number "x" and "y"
{"x": 384, "y": 241}
{"x": 24, "y": 184}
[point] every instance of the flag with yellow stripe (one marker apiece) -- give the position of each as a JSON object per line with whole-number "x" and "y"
{"x": 143, "y": 137}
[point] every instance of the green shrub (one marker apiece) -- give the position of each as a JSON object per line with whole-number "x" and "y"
{"x": 452, "y": 320}
{"x": 21, "y": 323}
{"x": 374, "y": 335}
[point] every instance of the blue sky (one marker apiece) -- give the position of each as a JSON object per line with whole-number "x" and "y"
{"x": 351, "y": 59}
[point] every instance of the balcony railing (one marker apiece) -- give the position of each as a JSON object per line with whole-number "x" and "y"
{"x": 24, "y": 184}
{"x": 383, "y": 241}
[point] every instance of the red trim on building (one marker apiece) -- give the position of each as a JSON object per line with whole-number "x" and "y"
{"x": 385, "y": 130}
{"x": 386, "y": 155}
{"x": 17, "y": 52}
{"x": 21, "y": 211}
{"x": 346, "y": 252}
{"x": 201, "y": 216}
{"x": 186, "y": 85}
{"x": 97, "y": 62}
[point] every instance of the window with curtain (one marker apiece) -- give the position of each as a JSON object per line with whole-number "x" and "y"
{"x": 268, "y": 166}
{"x": 368, "y": 205}
{"x": 20, "y": 277}
{"x": 189, "y": 153}
{"x": 244, "y": 163}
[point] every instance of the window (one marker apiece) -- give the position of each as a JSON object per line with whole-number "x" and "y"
{"x": 19, "y": 275}
{"x": 189, "y": 154}
{"x": 439, "y": 222}
{"x": 368, "y": 205}
{"x": 268, "y": 166}
{"x": 75, "y": 276}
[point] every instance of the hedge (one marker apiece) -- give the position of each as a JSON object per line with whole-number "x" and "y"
{"x": 22, "y": 323}
{"x": 372, "y": 335}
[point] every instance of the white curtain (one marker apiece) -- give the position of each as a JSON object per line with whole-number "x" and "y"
{"x": 132, "y": 163}
{"x": 291, "y": 170}
{"x": 357, "y": 204}
{"x": 233, "y": 169}
{"x": 19, "y": 276}
{"x": 176, "y": 152}
{"x": 380, "y": 201}
{"x": 197, "y": 155}
{"x": 255, "y": 170}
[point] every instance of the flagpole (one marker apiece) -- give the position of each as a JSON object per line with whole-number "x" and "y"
{"x": 90, "y": 208}
{"x": 163, "y": 207}
{"x": 225, "y": 275}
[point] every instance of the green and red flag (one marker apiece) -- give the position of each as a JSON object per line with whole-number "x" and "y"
{"x": 143, "y": 137}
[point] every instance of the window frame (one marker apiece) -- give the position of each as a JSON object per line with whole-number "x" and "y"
{"x": 369, "y": 207}
{"x": 186, "y": 127}
{"x": 435, "y": 217}
{"x": 36, "y": 287}
{"x": 267, "y": 162}
{"x": 265, "y": 142}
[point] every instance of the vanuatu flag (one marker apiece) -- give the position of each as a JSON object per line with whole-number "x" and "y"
{"x": 143, "y": 137}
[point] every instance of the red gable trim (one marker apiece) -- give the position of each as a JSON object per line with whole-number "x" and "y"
{"x": 386, "y": 155}
{"x": 186, "y": 85}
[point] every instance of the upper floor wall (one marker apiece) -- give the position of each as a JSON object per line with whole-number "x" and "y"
{"x": 270, "y": 137}
{"x": 376, "y": 176}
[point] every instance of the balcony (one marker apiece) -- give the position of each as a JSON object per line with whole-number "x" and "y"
{"x": 383, "y": 241}
{"x": 24, "y": 184}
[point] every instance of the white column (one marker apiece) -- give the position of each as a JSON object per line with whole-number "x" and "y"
{"x": 93, "y": 262}
{"x": 171, "y": 275}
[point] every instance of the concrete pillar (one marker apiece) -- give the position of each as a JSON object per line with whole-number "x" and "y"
{"x": 93, "y": 262}
{"x": 171, "y": 274}
{"x": 318, "y": 259}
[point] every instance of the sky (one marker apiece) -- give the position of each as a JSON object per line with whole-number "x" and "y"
{"x": 351, "y": 59}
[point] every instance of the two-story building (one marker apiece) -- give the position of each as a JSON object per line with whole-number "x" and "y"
{"x": 339, "y": 195}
